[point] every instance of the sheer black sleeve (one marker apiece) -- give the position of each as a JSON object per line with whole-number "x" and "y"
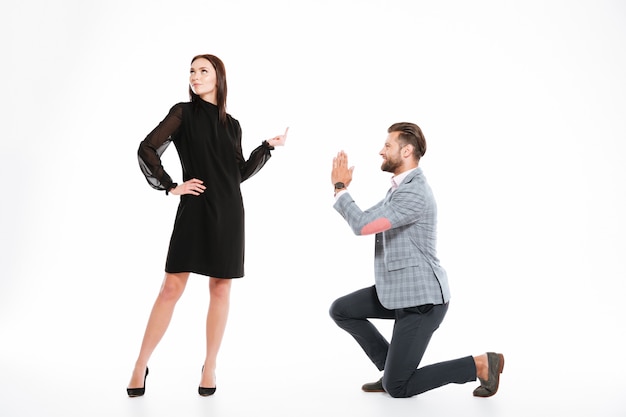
{"x": 153, "y": 146}
{"x": 258, "y": 157}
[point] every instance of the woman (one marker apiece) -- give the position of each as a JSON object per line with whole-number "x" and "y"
{"x": 208, "y": 235}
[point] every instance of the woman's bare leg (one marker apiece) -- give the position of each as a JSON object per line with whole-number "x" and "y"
{"x": 160, "y": 317}
{"x": 215, "y": 325}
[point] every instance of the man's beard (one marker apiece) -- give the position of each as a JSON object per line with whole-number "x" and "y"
{"x": 390, "y": 165}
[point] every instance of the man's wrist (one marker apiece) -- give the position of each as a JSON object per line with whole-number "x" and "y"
{"x": 339, "y": 188}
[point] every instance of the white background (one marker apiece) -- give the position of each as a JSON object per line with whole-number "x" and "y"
{"x": 523, "y": 105}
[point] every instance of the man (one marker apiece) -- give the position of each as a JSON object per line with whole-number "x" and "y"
{"x": 410, "y": 285}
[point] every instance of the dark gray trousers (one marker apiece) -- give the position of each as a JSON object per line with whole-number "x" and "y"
{"x": 400, "y": 359}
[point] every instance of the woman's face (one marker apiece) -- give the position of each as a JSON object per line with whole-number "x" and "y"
{"x": 203, "y": 80}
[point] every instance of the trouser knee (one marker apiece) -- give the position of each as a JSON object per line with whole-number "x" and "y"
{"x": 396, "y": 392}
{"x": 396, "y": 389}
{"x": 336, "y": 312}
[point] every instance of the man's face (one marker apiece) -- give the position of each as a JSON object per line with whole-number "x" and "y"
{"x": 392, "y": 160}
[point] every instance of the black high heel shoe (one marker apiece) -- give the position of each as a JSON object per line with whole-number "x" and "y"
{"x": 205, "y": 392}
{"x": 138, "y": 392}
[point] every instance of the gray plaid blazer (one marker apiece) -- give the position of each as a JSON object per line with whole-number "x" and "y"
{"x": 407, "y": 271}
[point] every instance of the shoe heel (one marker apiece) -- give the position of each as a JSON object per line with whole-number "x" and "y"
{"x": 138, "y": 392}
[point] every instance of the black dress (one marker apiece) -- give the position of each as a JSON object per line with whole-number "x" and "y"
{"x": 208, "y": 235}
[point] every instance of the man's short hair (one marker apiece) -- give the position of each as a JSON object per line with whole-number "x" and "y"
{"x": 410, "y": 134}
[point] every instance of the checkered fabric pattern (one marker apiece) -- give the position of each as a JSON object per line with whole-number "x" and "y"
{"x": 407, "y": 270}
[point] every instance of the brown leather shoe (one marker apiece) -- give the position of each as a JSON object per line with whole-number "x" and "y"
{"x": 490, "y": 386}
{"x": 374, "y": 386}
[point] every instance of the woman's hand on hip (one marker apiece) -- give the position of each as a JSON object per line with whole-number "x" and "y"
{"x": 193, "y": 186}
